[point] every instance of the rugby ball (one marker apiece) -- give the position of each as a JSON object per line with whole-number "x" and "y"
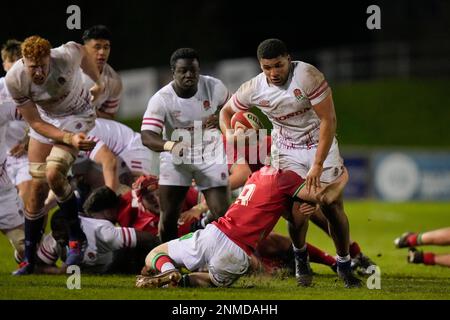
{"x": 245, "y": 120}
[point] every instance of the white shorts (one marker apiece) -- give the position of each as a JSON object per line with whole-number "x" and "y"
{"x": 301, "y": 160}
{"x": 207, "y": 175}
{"x": 225, "y": 260}
{"x": 77, "y": 123}
{"x": 139, "y": 158}
{"x": 18, "y": 170}
{"x": 11, "y": 212}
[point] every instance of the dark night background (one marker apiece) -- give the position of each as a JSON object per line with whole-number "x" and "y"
{"x": 146, "y": 33}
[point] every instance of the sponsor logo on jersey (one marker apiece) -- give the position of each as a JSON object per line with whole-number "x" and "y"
{"x": 206, "y": 105}
{"x": 299, "y": 95}
{"x": 264, "y": 103}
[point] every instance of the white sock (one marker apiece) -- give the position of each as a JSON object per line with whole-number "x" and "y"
{"x": 345, "y": 259}
{"x": 167, "y": 266}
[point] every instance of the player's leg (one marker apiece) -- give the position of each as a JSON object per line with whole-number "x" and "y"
{"x": 34, "y": 203}
{"x": 59, "y": 162}
{"x": 171, "y": 199}
{"x": 428, "y": 258}
{"x": 11, "y": 219}
{"x": 218, "y": 201}
{"x": 298, "y": 227}
{"x": 16, "y": 237}
{"x": 330, "y": 199}
{"x": 212, "y": 179}
{"x": 440, "y": 237}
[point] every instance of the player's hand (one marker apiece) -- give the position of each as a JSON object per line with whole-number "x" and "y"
{"x": 313, "y": 178}
{"x": 81, "y": 142}
{"x": 192, "y": 214}
{"x": 179, "y": 151}
{"x": 19, "y": 150}
{"x": 212, "y": 122}
{"x": 307, "y": 209}
{"x": 97, "y": 90}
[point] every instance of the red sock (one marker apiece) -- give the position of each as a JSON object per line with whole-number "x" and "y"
{"x": 160, "y": 260}
{"x": 354, "y": 250}
{"x": 428, "y": 258}
{"x": 318, "y": 256}
{"x": 412, "y": 240}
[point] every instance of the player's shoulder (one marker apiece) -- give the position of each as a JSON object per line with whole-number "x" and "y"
{"x": 16, "y": 76}
{"x": 304, "y": 70}
{"x": 64, "y": 49}
{"x": 165, "y": 95}
{"x": 254, "y": 84}
{"x": 112, "y": 74}
{"x": 209, "y": 80}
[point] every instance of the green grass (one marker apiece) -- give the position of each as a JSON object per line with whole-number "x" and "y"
{"x": 373, "y": 224}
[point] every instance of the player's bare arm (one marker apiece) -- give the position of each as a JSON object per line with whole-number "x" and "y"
{"x": 327, "y": 115}
{"x": 31, "y": 115}
{"x": 154, "y": 142}
{"x": 226, "y": 114}
{"x": 239, "y": 175}
{"x": 90, "y": 68}
{"x": 108, "y": 161}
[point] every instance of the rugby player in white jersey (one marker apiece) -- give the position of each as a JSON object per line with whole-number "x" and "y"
{"x": 11, "y": 213}
{"x": 16, "y": 134}
{"x": 46, "y": 84}
{"x": 97, "y": 41}
{"x": 120, "y": 153}
{"x": 298, "y": 101}
{"x": 188, "y": 105}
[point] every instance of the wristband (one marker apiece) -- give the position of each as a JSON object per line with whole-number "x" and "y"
{"x": 168, "y": 146}
{"x": 67, "y": 138}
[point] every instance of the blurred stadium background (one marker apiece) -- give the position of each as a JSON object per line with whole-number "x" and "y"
{"x": 391, "y": 89}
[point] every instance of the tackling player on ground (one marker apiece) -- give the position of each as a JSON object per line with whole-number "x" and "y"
{"x": 226, "y": 246}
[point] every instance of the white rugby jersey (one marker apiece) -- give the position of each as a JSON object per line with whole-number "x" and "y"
{"x": 115, "y": 135}
{"x": 16, "y": 132}
{"x": 103, "y": 238}
{"x": 62, "y": 94}
{"x": 16, "y": 129}
{"x": 289, "y": 107}
{"x": 167, "y": 112}
{"x": 8, "y": 112}
{"x": 109, "y": 101}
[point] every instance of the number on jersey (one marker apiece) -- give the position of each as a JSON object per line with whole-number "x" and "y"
{"x": 246, "y": 194}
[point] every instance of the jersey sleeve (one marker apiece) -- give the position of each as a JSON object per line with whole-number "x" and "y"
{"x": 73, "y": 52}
{"x": 154, "y": 116}
{"x": 290, "y": 183}
{"x": 16, "y": 88}
{"x": 242, "y": 99}
{"x": 98, "y": 145}
{"x": 115, "y": 238}
{"x": 111, "y": 105}
{"x": 9, "y": 112}
{"x": 48, "y": 250}
{"x": 222, "y": 93}
{"x": 314, "y": 85}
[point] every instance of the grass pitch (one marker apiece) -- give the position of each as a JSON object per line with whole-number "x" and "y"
{"x": 373, "y": 224}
